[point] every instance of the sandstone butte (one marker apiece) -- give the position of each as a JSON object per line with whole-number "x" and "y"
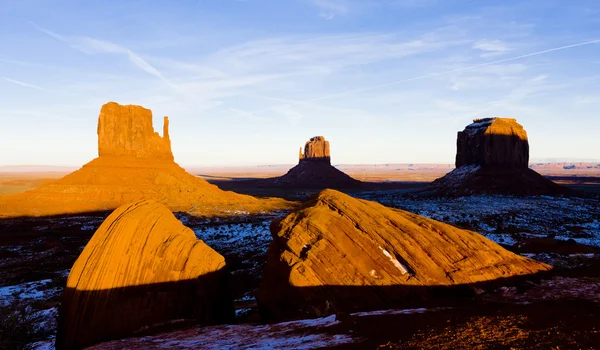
{"x": 314, "y": 170}
{"x": 492, "y": 156}
{"x": 134, "y": 163}
{"x": 141, "y": 268}
{"x": 341, "y": 254}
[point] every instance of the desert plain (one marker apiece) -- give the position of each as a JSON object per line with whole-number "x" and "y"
{"x": 553, "y": 309}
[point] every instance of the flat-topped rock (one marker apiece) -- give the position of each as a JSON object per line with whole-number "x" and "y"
{"x": 492, "y": 156}
{"x": 493, "y": 142}
{"x": 316, "y": 149}
{"x": 314, "y": 170}
{"x": 128, "y": 131}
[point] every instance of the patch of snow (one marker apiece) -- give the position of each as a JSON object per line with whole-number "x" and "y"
{"x": 502, "y": 238}
{"x": 41, "y": 345}
{"x": 37, "y": 290}
{"x": 394, "y": 261}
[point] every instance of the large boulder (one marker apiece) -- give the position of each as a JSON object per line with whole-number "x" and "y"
{"x": 492, "y": 156}
{"x": 141, "y": 268}
{"x": 134, "y": 163}
{"x": 338, "y": 253}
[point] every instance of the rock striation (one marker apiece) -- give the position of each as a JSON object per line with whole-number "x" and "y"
{"x": 141, "y": 268}
{"x": 492, "y": 156}
{"x": 314, "y": 170}
{"x": 128, "y": 131}
{"x": 341, "y": 254}
{"x": 134, "y": 163}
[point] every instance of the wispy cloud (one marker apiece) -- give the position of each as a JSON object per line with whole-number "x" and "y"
{"x": 92, "y": 46}
{"x": 22, "y": 83}
{"x": 329, "y": 9}
{"x": 491, "y": 47}
{"x": 413, "y": 3}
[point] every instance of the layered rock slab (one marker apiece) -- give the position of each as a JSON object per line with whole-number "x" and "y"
{"x": 338, "y": 253}
{"x": 134, "y": 163}
{"x": 141, "y": 268}
{"x": 492, "y": 156}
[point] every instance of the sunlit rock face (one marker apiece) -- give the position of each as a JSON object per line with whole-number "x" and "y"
{"x": 141, "y": 268}
{"x": 338, "y": 253}
{"x": 492, "y": 156}
{"x": 493, "y": 142}
{"x": 134, "y": 163}
{"x": 314, "y": 170}
{"x": 128, "y": 131}
{"x": 316, "y": 149}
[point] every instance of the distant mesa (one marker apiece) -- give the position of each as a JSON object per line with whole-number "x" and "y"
{"x": 492, "y": 156}
{"x": 314, "y": 170}
{"x": 341, "y": 254}
{"x": 316, "y": 149}
{"x": 134, "y": 163}
{"x": 142, "y": 268}
{"x": 488, "y": 142}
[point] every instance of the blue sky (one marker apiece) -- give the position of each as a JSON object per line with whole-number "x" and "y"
{"x": 247, "y": 82}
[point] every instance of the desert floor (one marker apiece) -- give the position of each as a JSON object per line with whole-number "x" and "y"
{"x": 553, "y": 310}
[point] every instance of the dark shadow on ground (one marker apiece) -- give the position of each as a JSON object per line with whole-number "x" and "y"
{"x": 93, "y": 316}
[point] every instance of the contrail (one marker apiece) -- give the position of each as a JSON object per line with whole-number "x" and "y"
{"x": 373, "y": 87}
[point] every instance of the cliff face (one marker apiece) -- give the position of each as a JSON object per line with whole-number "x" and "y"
{"x": 128, "y": 131}
{"x": 316, "y": 149}
{"x": 500, "y": 142}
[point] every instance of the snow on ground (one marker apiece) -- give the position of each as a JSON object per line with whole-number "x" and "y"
{"x": 245, "y": 236}
{"x": 302, "y": 334}
{"x": 28, "y": 292}
{"x": 504, "y": 218}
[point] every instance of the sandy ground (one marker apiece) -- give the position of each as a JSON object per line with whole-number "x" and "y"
{"x": 24, "y": 178}
{"x": 18, "y": 182}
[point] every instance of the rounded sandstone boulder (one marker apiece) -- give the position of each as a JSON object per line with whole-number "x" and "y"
{"x": 141, "y": 268}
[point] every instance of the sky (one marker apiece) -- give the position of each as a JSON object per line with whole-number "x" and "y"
{"x": 247, "y": 82}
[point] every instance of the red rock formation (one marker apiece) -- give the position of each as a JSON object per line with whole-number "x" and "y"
{"x": 128, "y": 131}
{"x": 314, "y": 170}
{"x": 492, "y": 156}
{"x": 493, "y": 142}
{"x": 338, "y": 253}
{"x": 141, "y": 268}
{"x": 134, "y": 163}
{"x": 316, "y": 149}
